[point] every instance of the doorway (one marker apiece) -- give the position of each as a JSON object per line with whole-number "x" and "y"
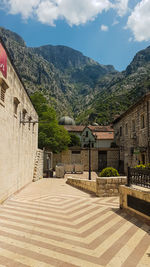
{"x": 102, "y": 160}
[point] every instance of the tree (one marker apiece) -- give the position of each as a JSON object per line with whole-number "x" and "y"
{"x": 75, "y": 140}
{"x": 51, "y": 135}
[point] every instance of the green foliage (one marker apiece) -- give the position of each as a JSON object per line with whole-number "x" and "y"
{"x": 75, "y": 84}
{"x": 148, "y": 165}
{"x": 51, "y": 135}
{"x": 143, "y": 166}
{"x": 140, "y": 166}
{"x": 74, "y": 140}
{"x": 108, "y": 172}
{"x": 39, "y": 102}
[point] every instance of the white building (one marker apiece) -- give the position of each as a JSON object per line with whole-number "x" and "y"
{"x": 18, "y": 141}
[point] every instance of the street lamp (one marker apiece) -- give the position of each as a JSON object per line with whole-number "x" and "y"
{"x": 89, "y": 143}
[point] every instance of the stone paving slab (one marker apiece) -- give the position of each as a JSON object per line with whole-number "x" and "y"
{"x": 50, "y": 223}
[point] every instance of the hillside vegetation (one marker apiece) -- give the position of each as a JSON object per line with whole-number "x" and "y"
{"x": 76, "y": 85}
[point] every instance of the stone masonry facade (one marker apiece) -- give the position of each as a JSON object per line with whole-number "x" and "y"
{"x": 132, "y": 134}
{"x": 136, "y": 192}
{"x": 109, "y": 186}
{"x": 18, "y": 140}
{"x": 38, "y": 167}
{"x": 102, "y": 187}
{"x": 82, "y": 157}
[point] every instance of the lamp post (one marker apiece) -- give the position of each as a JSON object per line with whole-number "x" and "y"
{"x": 89, "y": 159}
{"x": 88, "y": 142}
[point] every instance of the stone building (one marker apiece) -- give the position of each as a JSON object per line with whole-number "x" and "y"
{"x": 75, "y": 129}
{"x": 132, "y": 134}
{"x": 102, "y": 154}
{"x": 18, "y": 140}
{"x": 100, "y": 136}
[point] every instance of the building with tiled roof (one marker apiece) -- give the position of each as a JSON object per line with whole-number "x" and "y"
{"x": 100, "y": 139}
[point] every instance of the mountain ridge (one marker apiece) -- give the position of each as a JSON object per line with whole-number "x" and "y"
{"x": 76, "y": 85}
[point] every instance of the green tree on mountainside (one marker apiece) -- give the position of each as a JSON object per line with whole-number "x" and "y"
{"x": 75, "y": 140}
{"x": 51, "y": 135}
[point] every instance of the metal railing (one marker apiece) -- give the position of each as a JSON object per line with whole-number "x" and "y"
{"x": 140, "y": 177}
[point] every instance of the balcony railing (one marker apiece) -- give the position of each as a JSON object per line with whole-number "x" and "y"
{"x": 140, "y": 177}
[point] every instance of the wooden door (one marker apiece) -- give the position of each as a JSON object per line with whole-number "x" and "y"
{"x": 102, "y": 160}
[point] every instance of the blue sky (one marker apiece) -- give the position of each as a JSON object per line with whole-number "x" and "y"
{"x": 109, "y": 31}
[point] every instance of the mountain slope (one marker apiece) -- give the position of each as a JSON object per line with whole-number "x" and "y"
{"x": 63, "y": 74}
{"x": 116, "y": 94}
{"x": 77, "y": 85}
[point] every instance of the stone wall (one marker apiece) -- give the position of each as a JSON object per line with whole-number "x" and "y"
{"x": 132, "y": 134}
{"x": 82, "y": 184}
{"x": 18, "y": 141}
{"x": 143, "y": 194}
{"x": 113, "y": 158}
{"x": 109, "y": 186}
{"x": 38, "y": 168}
{"x": 102, "y": 187}
{"x": 66, "y": 157}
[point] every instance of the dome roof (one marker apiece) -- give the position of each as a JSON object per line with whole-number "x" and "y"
{"x": 66, "y": 121}
{"x": 95, "y": 124}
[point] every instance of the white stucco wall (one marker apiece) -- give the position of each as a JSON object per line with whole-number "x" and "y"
{"x": 103, "y": 143}
{"x": 18, "y": 143}
{"x": 85, "y": 138}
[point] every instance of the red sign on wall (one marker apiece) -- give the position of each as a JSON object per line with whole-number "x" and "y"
{"x": 3, "y": 61}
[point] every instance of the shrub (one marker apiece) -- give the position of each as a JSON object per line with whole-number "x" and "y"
{"x": 140, "y": 166}
{"x": 148, "y": 165}
{"x": 108, "y": 172}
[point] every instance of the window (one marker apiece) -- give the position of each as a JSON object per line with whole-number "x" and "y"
{"x": 142, "y": 121}
{"x": 143, "y": 158}
{"x": 3, "y": 91}
{"x": 24, "y": 112}
{"x": 133, "y": 125}
{"x": 87, "y": 133}
{"x": 75, "y": 152}
{"x": 33, "y": 129}
{"x": 16, "y": 103}
{"x": 120, "y": 131}
{"x": 3, "y": 87}
{"x": 30, "y": 119}
{"x": 126, "y": 128}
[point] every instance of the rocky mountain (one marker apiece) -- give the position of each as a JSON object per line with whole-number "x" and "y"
{"x": 115, "y": 93}
{"x": 77, "y": 85}
{"x": 64, "y": 75}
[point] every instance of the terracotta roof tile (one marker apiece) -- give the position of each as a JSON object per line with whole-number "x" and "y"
{"x": 101, "y": 128}
{"x": 104, "y": 135}
{"x": 74, "y": 128}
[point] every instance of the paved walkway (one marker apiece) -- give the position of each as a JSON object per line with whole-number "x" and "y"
{"x": 50, "y": 223}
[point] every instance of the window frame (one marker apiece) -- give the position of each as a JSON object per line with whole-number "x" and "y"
{"x": 142, "y": 120}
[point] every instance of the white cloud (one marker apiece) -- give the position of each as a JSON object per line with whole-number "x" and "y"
{"x": 139, "y": 21}
{"x": 47, "y": 12}
{"x": 75, "y": 12}
{"x": 115, "y": 22}
{"x": 24, "y": 7}
{"x": 130, "y": 39}
{"x": 78, "y": 12}
{"x": 121, "y": 6}
{"x": 104, "y": 28}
